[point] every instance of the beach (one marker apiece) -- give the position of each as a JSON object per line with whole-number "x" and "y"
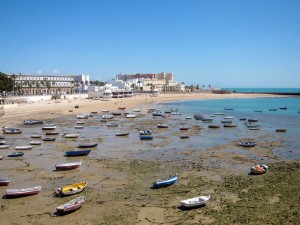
{"x": 120, "y": 171}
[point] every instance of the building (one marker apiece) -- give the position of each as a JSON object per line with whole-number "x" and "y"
{"x": 154, "y": 76}
{"x": 27, "y": 84}
{"x": 81, "y": 83}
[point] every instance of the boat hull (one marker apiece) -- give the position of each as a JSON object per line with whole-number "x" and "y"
{"x": 12, "y": 193}
{"x": 77, "y": 153}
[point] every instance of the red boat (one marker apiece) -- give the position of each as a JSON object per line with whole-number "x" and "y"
{"x": 68, "y": 166}
{"x": 71, "y": 205}
{"x": 122, "y": 107}
{"x": 23, "y": 192}
{"x": 4, "y": 181}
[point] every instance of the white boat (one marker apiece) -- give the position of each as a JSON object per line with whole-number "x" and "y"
{"x": 83, "y": 116}
{"x": 23, "y": 147}
{"x": 4, "y": 146}
{"x": 79, "y": 127}
{"x": 112, "y": 124}
{"x": 137, "y": 110}
{"x": 107, "y": 116}
{"x": 195, "y": 202}
{"x": 68, "y": 166}
{"x": 105, "y": 110}
{"x": 71, "y": 135}
{"x": 71, "y": 205}
{"x": 162, "y": 125}
{"x": 23, "y": 192}
{"x": 228, "y": 117}
{"x": 79, "y": 122}
{"x": 130, "y": 116}
{"x": 51, "y": 127}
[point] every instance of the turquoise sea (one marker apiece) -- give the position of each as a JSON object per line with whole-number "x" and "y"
{"x": 252, "y": 108}
{"x": 265, "y": 90}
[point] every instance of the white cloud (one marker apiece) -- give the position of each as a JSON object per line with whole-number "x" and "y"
{"x": 40, "y": 72}
{"x": 55, "y": 71}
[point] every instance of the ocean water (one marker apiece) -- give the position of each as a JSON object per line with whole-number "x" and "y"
{"x": 252, "y": 108}
{"x": 264, "y": 90}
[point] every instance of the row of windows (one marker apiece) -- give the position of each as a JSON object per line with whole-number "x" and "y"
{"x": 52, "y": 84}
{"x": 46, "y": 78}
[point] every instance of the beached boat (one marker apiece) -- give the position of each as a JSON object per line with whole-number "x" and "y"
{"x": 36, "y": 136}
{"x": 146, "y": 137}
{"x": 130, "y": 116}
{"x": 226, "y": 121}
{"x": 83, "y": 116}
{"x": 78, "y": 127}
{"x": 122, "y": 133}
{"x": 35, "y": 142}
{"x": 111, "y": 124}
{"x": 228, "y": 108}
{"x": 165, "y": 183}
{"x": 87, "y": 145}
{"x": 2, "y": 142}
{"x": 184, "y": 136}
{"x": 283, "y": 108}
{"x": 229, "y": 117}
{"x": 219, "y": 113}
{"x": 145, "y": 132}
{"x": 72, "y": 189}
{"x": 157, "y": 114}
{"x": 248, "y": 144}
{"x": 49, "y": 139}
{"x": 116, "y": 113}
{"x": 49, "y": 127}
{"x": 281, "y": 130}
{"x": 272, "y": 109}
{"x": 71, "y": 135}
{"x": 105, "y": 110}
{"x": 1, "y": 157}
{"x": 68, "y": 166}
{"x": 195, "y": 202}
{"x": 71, "y": 205}
{"x": 23, "y": 147}
{"x": 137, "y": 110}
{"x": 77, "y": 153}
{"x": 107, "y": 117}
{"x": 259, "y": 169}
{"x": 4, "y": 146}
{"x": 252, "y": 120}
{"x": 4, "y": 181}
{"x": 23, "y": 192}
{"x": 207, "y": 120}
{"x": 10, "y": 130}
{"x": 228, "y": 125}
{"x": 188, "y": 118}
{"x": 162, "y": 125}
{"x": 121, "y": 107}
{"x": 52, "y": 133}
{"x": 2, "y": 137}
{"x": 214, "y": 126}
{"x": 254, "y": 128}
{"x": 16, "y": 154}
{"x": 183, "y": 128}
{"x": 80, "y": 122}
{"x": 32, "y": 122}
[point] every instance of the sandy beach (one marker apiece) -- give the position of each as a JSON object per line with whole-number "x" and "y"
{"x": 119, "y": 171}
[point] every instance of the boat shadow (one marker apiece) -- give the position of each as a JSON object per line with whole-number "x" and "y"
{"x": 183, "y": 208}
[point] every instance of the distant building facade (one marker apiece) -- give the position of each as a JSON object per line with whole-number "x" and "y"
{"x": 157, "y": 76}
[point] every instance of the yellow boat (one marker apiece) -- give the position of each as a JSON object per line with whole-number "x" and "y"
{"x": 72, "y": 189}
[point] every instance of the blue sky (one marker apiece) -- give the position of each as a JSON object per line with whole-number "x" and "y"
{"x": 225, "y": 43}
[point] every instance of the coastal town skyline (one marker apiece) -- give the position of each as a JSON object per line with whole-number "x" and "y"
{"x": 224, "y": 44}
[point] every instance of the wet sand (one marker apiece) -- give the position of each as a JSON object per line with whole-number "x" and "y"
{"x": 120, "y": 170}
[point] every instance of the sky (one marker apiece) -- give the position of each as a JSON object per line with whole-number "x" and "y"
{"x": 222, "y": 43}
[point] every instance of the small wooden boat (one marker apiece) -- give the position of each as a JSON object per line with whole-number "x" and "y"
{"x": 146, "y": 137}
{"x": 80, "y": 122}
{"x": 257, "y": 110}
{"x": 23, "y": 192}
{"x": 105, "y": 110}
{"x": 226, "y": 121}
{"x": 4, "y": 181}
{"x": 36, "y": 136}
{"x": 219, "y": 113}
{"x": 195, "y": 202}
{"x": 162, "y": 125}
{"x": 2, "y": 142}
{"x": 35, "y": 142}
{"x": 68, "y": 166}
{"x": 272, "y": 109}
{"x": 49, "y": 127}
{"x": 4, "y": 146}
{"x": 72, "y": 189}
{"x": 184, "y": 136}
{"x": 112, "y": 124}
{"x": 52, "y": 133}
{"x": 79, "y": 127}
{"x": 23, "y": 147}
{"x": 252, "y": 120}
{"x": 87, "y": 145}
{"x": 32, "y": 122}
{"x": 188, "y": 118}
{"x": 254, "y": 128}
{"x": 243, "y": 119}
{"x": 281, "y": 130}
{"x": 247, "y": 144}
{"x": 16, "y": 154}
{"x": 49, "y": 139}
{"x": 283, "y": 108}
{"x": 130, "y": 116}
{"x": 229, "y": 125}
{"x": 116, "y": 113}
{"x": 214, "y": 126}
{"x": 157, "y": 113}
{"x": 145, "y": 132}
{"x": 71, "y": 135}
{"x": 1, "y": 157}
{"x": 183, "y": 128}
{"x": 10, "y": 130}
{"x": 259, "y": 169}
{"x": 71, "y": 205}
{"x": 207, "y": 120}
{"x": 229, "y": 117}
{"x": 122, "y": 134}
{"x": 2, "y": 137}
{"x": 137, "y": 110}
{"x": 228, "y": 108}
{"x": 121, "y": 107}
{"x": 165, "y": 183}
{"x": 77, "y": 153}
{"x": 83, "y": 116}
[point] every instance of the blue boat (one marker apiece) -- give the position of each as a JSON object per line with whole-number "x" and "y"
{"x": 16, "y": 154}
{"x": 77, "y": 153}
{"x": 166, "y": 183}
{"x": 146, "y": 137}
